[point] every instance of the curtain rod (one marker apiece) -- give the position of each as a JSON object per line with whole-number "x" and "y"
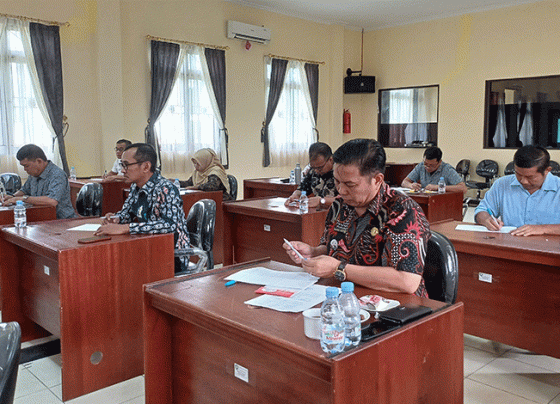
{"x": 20, "y": 17}
{"x": 299, "y": 60}
{"x": 187, "y": 42}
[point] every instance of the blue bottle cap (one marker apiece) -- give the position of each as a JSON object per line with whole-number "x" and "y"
{"x": 19, "y": 203}
{"x": 347, "y": 287}
{"x": 332, "y": 292}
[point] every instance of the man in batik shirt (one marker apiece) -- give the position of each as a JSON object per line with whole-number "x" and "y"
{"x": 318, "y": 183}
{"x": 153, "y": 204}
{"x": 374, "y": 236}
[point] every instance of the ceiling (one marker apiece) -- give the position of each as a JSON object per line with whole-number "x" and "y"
{"x": 376, "y": 14}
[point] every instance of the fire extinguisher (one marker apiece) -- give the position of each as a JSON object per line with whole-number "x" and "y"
{"x": 346, "y": 119}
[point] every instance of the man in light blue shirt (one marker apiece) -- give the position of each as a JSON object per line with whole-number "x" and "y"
{"x": 427, "y": 174}
{"x": 528, "y": 199}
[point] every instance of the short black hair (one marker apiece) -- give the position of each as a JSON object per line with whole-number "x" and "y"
{"x": 367, "y": 154}
{"x": 319, "y": 149}
{"x": 31, "y": 152}
{"x": 144, "y": 152}
{"x": 532, "y": 156}
{"x": 125, "y": 141}
{"x": 432, "y": 153}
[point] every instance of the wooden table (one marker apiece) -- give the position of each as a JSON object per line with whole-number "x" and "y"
{"x": 112, "y": 193}
{"x": 34, "y": 214}
{"x": 509, "y": 286}
{"x": 198, "y": 333}
{"x": 89, "y": 295}
{"x": 395, "y": 173}
{"x": 262, "y": 187}
{"x": 255, "y": 228}
{"x": 439, "y": 207}
{"x": 190, "y": 197}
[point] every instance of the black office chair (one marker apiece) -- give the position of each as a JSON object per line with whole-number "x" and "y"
{"x": 510, "y": 168}
{"x": 441, "y": 270}
{"x": 488, "y": 169}
{"x": 462, "y": 169}
{"x": 10, "y": 347}
{"x": 555, "y": 168}
{"x": 11, "y": 182}
{"x": 232, "y": 186}
{"x": 201, "y": 222}
{"x": 89, "y": 201}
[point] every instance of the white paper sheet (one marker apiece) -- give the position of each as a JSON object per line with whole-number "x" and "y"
{"x": 86, "y": 227}
{"x": 476, "y": 227}
{"x": 302, "y": 300}
{"x": 274, "y": 279}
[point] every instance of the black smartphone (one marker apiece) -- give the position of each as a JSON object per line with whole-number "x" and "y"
{"x": 376, "y": 329}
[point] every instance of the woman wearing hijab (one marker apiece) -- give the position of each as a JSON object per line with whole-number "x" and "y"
{"x": 208, "y": 174}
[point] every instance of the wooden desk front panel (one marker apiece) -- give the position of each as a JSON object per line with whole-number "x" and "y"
{"x": 34, "y": 214}
{"x": 112, "y": 193}
{"x": 267, "y": 187}
{"x": 439, "y": 207}
{"x": 193, "y": 341}
{"x": 395, "y": 173}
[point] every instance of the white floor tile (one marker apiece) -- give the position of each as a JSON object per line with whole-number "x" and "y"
{"x": 38, "y": 341}
{"x": 137, "y": 400}
{"x": 486, "y": 345}
{"x": 57, "y": 391}
{"x": 116, "y": 394}
{"x": 556, "y": 400}
{"x": 474, "y": 359}
{"x": 531, "y": 358}
{"x": 533, "y": 383}
{"x": 478, "y": 393}
{"x": 42, "y": 397}
{"x": 469, "y": 215}
{"x": 27, "y": 383}
{"x": 47, "y": 370}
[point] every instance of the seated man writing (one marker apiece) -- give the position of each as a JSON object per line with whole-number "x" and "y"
{"x": 374, "y": 236}
{"x": 47, "y": 184}
{"x": 426, "y": 174}
{"x": 528, "y": 199}
{"x": 153, "y": 204}
{"x": 318, "y": 183}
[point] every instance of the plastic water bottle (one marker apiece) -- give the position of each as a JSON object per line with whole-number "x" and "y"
{"x": 441, "y": 186}
{"x": 297, "y": 174}
{"x": 2, "y": 191}
{"x": 20, "y": 215}
{"x": 303, "y": 202}
{"x": 72, "y": 173}
{"x": 177, "y": 184}
{"x": 351, "y": 309}
{"x": 292, "y": 177}
{"x": 332, "y": 323}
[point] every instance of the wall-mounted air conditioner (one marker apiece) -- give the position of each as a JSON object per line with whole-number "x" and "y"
{"x": 247, "y": 32}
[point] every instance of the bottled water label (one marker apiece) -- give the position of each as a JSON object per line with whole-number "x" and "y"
{"x": 332, "y": 338}
{"x": 20, "y": 216}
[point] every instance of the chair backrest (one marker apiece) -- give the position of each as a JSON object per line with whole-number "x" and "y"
{"x": 463, "y": 167}
{"x": 555, "y": 168}
{"x": 487, "y": 169}
{"x": 89, "y": 201}
{"x": 201, "y": 222}
{"x": 10, "y": 347}
{"x": 11, "y": 181}
{"x": 232, "y": 186}
{"x": 441, "y": 271}
{"x": 510, "y": 169}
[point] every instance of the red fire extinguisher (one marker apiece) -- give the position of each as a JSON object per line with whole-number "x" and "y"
{"x": 346, "y": 119}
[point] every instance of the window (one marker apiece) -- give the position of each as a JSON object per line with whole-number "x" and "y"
{"x": 291, "y": 129}
{"x": 408, "y": 117}
{"x": 188, "y": 123}
{"x": 22, "y": 121}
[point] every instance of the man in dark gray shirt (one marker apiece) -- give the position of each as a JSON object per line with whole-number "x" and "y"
{"x": 47, "y": 184}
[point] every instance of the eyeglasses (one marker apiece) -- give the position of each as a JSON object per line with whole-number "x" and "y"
{"x": 121, "y": 149}
{"x": 125, "y": 165}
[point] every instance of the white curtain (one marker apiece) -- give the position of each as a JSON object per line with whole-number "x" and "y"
{"x": 501, "y": 132}
{"x": 526, "y": 130}
{"x": 188, "y": 122}
{"x": 23, "y": 113}
{"x": 291, "y": 129}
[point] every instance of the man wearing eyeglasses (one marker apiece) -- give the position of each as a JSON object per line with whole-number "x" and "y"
{"x": 153, "y": 204}
{"x": 117, "y": 172}
{"x": 426, "y": 175}
{"x": 318, "y": 183}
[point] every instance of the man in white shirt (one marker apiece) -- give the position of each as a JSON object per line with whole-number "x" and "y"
{"x": 116, "y": 173}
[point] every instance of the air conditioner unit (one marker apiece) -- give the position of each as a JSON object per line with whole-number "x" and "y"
{"x": 248, "y": 32}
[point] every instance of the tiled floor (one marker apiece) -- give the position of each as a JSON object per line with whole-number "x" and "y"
{"x": 494, "y": 374}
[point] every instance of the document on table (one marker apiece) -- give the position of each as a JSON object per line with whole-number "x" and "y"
{"x": 476, "y": 227}
{"x": 86, "y": 227}
{"x": 274, "y": 279}
{"x": 300, "y": 301}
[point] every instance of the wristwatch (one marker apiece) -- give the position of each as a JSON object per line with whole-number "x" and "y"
{"x": 339, "y": 273}
{"x": 323, "y": 202}
{"x": 25, "y": 198}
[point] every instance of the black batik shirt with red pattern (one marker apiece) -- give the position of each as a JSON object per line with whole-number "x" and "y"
{"x": 392, "y": 232}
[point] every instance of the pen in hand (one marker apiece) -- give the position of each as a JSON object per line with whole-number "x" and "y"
{"x": 493, "y": 218}
{"x": 294, "y": 250}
